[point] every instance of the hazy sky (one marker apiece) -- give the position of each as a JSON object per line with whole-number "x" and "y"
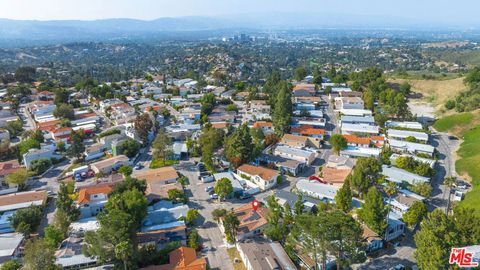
{"x": 452, "y": 11}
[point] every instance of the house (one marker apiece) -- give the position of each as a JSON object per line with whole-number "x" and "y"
{"x": 356, "y": 112}
{"x": 399, "y": 176}
{"x": 94, "y": 151}
{"x": 108, "y": 165}
{"x": 351, "y": 119}
{"x": 252, "y": 222}
{"x": 182, "y": 258}
{"x": 402, "y": 135}
{"x": 6, "y": 168}
{"x": 307, "y": 87}
{"x": 10, "y": 246}
{"x": 340, "y": 162}
{"x": 159, "y": 176}
{"x": 70, "y": 255}
{"x": 355, "y": 152}
{"x": 311, "y": 121}
{"x": 286, "y": 197}
{"x": 263, "y": 177}
{"x": 354, "y": 140}
{"x": 299, "y": 141}
{"x": 92, "y": 199}
{"x": 372, "y": 240}
{"x": 395, "y": 228}
{"x": 158, "y": 192}
{"x": 237, "y": 183}
{"x": 360, "y": 129}
{"x": 162, "y": 237}
{"x": 304, "y": 156}
{"x": 409, "y": 125}
{"x": 303, "y": 106}
{"x": 309, "y": 131}
{"x": 317, "y": 190}
{"x": 15, "y": 201}
{"x": 410, "y": 147}
{"x": 402, "y": 201}
{"x": 348, "y": 103}
{"x": 377, "y": 141}
{"x": 46, "y": 151}
{"x": 260, "y": 254}
{"x": 180, "y": 150}
{"x": 335, "y": 176}
{"x": 266, "y": 127}
{"x": 164, "y": 215}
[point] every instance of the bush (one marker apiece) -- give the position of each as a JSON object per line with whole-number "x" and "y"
{"x": 26, "y": 220}
{"x": 40, "y": 165}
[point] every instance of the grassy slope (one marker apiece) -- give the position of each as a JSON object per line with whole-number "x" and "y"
{"x": 469, "y": 151}
{"x": 435, "y": 91}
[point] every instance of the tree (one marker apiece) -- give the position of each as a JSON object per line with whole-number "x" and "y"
{"x": 223, "y": 188}
{"x": 311, "y": 236}
{"x": 130, "y": 147}
{"x": 133, "y": 202}
{"x": 77, "y": 147}
{"x": 177, "y": 196}
{"x": 125, "y": 170}
{"x": 344, "y": 238}
{"x": 449, "y": 182}
{"x": 15, "y": 128}
{"x": 61, "y": 96}
{"x": 18, "y": 178}
{"x": 208, "y": 102}
{"x": 64, "y": 111}
{"x": 300, "y": 73}
{"x": 193, "y": 239}
{"x": 373, "y": 212}
{"x": 390, "y": 189}
{"x": 130, "y": 183}
{"x": 38, "y": 255}
{"x": 338, "y": 143}
{"x": 299, "y": 207}
{"x": 61, "y": 221}
{"x": 143, "y": 125}
{"x": 26, "y": 220}
{"x": 411, "y": 139}
{"x": 343, "y": 198}
{"x": 218, "y": 213}
{"x": 422, "y": 189}
{"x": 11, "y": 265}
{"x": 162, "y": 145}
{"x": 25, "y": 74}
{"x": 405, "y": 88}
{"x": 415, "y": 214}
{"x": 60, "y": 147}
{"x": 230, "y": 224}
{"x": 282, "y": 111}
{"x": 365, "y": 174}
{"x": 210, "y": 140}
{"x": 123, "y": 251}
{"x": 239, "y": 146}
{"x": 65, "y": 203}
{"x": 53, "y": 236}
{"x": 192, "y": 215}
{"x": 39, "y": 166}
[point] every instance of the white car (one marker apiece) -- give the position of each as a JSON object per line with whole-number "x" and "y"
{"x": 458, "y": 196}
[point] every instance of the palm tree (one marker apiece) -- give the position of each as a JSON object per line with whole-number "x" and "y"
{"x": 449, "y": 182}
{"x": 391, "y": 189}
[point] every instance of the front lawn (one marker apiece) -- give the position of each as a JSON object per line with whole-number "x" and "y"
{"x": 158, "y": 163}
{"x": 448, "y": 122}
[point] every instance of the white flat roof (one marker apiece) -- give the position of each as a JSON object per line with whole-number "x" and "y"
{"x": 397, "y": 133}
{"x": 398, "y": 175}
{"x": 411, "y": 147}
{"x": 316, "y": 189}
{"x": 363, "y": 128}
{"x": 405, "y": 124}
{"x": 360, "y": 151}
{"x": 356, "y": 112}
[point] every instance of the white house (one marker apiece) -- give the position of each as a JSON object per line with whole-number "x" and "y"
{"x": 398, "y": 175}
{"x": 301, "y": 155}
{"x": 398, "y": 134}
{"x": 355, "y": 103}
{"x": 317, "y": 190}
{"x": 263, "y": 177}
{"x": 363, "y": 129}
{"x": 410, "y": 147}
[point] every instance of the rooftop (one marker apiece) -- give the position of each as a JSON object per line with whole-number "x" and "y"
{"x": 22, "y": 200}
{"x": 262, "y": 172}
{"x": 157, "y": 175}
{"x": 262, "y": 254}
{"x": 250, "y": 220}
{"x": 398, "y": 175}
{"x": 85, "y": 193}
{"x": 182, "y": 258}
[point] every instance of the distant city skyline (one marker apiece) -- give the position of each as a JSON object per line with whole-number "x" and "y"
{"x": 461, "y": 12}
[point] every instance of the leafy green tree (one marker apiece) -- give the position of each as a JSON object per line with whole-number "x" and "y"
{"x": 231, "y": 224}
{"x": 25, "y": 74}
{"x": 405, "y": 88}
{"x": 449, "y": 182}
{"x": 123, "y": 251}
{"x": 365, "y": 174}
{"x": 192, "y": 215}
{"x": 210, "y": 140}
{"x": 77, "y": 147}
{"x": 26, "y": 220}
{"x": 177, "y": 196}
{"x": 39, "y": 255}
{"x": 193, "y": 239}
{"x": 61, "y": 96}
{"x": 219, "y": 213}
{"x": 338, "y": 143}
{"x": 133, "y": 202}
{"x": 143, "y": 125}
{"x": 299, "y": 207}
{"x": 53, "y": 236}
{"x": 309, "y": 233}
{"x": 415, "y": 214}
{"x": 65, "y": 203}
{"x": 11, "y": 265}
{"x": 223, "y": 188}
{"x": 282, "y": 111}
{"x": 18, "y": 178}
{"x": 277, "y": 226}
{"x": 130, "y": 147}
{"x": 125, "y": 170}
{"x": 162, "y": 145}
{"x": 208, "y": 102}
{"x": 374, "y": 212}
{"x": 60, "y": 147}
{"x": 61, "y": 221}
{"x": 343, "y": 198}
{"x": 128, "y": 184}
{"x": 300, "y": 73}
{"x": 15, "y": 128}
{"x": 39, "y": 166}
{"x": 239, "y": 146}
{"x": 64, "y": 111}
{"x": 422, "y": 189}
{"x": 26, "y": 145}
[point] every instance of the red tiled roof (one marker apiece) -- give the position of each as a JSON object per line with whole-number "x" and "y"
{"x": 307, "y": 130}
{"x": 182, "y": 258}
{"x": 356, "y": 139}
{"x": 262, "y": 124}
{"x": 9, "y": 167}
{"x": 85, "y": 193}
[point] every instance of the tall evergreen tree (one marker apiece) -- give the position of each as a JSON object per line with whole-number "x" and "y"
{"x": 374, "y": 212}
{"x": 282, "y": 111}
{"x": 343, "y": 199}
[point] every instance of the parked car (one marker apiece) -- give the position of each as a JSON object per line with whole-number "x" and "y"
{"x": 208, "y": 189}
{"x": 462, "y": 184}
{"x": 214, "y": 196}
{"x": 458, "y": 196}
{"x": 207, "y": 178}
{"x": 138, "y": 166}
{"x": 398, "y": 267}
{"x": 453, "y": 138}
{"x": 245, "y": 196}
